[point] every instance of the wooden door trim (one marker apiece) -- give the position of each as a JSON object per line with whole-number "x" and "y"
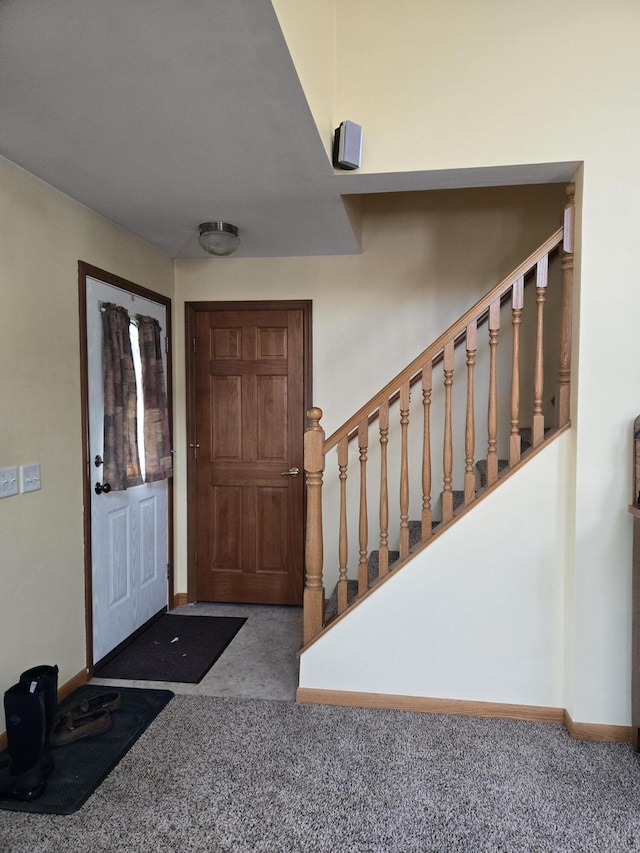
{"x": 191, "y": 309}
{"x": 85, "y": 271}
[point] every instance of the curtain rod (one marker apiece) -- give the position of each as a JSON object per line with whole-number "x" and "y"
{"x": 132, "y": 320}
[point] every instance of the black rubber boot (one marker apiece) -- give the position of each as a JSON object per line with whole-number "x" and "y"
{"x": 47, "y": 676}
{"x": 23, "y": 775}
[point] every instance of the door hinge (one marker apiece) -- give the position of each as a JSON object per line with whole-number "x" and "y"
{"x": 168, "y": 571}
{"x": 195, "y": 346}
{"x": 166, "y": 345}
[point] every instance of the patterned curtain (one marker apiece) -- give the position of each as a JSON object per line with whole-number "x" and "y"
{"x": 157, "y": 442}
{"x": 120, "y": 456}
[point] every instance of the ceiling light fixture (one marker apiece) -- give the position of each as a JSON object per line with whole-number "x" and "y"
{"x": 218, "y": 238}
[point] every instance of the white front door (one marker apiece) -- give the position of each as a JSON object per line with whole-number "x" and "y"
{"x": 129, "y": 529}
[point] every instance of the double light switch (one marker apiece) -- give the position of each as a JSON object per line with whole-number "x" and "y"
{"x": 29, "y": 479}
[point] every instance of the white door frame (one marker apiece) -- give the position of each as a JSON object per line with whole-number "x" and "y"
{"x": 86, "y": 271}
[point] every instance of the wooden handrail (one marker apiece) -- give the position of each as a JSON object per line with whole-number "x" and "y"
{"x": 458, "y": 340}
{"x": 457, "y": 332}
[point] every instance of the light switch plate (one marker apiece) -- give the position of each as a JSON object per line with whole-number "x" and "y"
{"x": 8, "y": 482}
{"x": 30, "y": 477}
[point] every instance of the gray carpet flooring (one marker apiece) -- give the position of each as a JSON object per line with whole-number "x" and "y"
{"x": 215, "y": 774}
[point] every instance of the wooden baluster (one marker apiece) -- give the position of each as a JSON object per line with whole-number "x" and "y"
{"x": 426, "y": 451}
{"x": 313, "y": 599}
{"x": 363, "y": 445}
{"x": 542, "y": 273}
{"x": 404, "y": 469}
{"x": 447, "y": 454}
{"x": 343, "y": 551}
{"x": 470, "y": 432}
{"x": 383, "y": 556}
{"x": 517, "y": 304}
{"x": 564, "y": 373}
{"x": 492, "y": 418}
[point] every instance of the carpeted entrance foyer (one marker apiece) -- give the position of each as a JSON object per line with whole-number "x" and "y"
{"x": 264, "y": 776}
{"x": 220, "y": 771}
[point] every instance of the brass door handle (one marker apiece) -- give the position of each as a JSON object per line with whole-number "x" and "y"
{"x": 292, "y": 472}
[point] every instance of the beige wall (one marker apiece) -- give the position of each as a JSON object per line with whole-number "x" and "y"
{"x": 467, "y": 84}
{"x": 44, "y": 235}
{"x": 316, "y": 60}
{"x": 449, "y": 85}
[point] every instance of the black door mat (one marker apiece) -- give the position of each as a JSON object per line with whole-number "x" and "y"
{"x": 81, "y": 766}
{"x": 174, "y": 648}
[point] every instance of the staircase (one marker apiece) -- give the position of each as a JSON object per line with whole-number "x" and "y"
{"x": 513, "y": 350}
{"x": 415, "y": 531}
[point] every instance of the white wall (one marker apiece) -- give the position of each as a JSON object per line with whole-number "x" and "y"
{"x": 478, "y": 615}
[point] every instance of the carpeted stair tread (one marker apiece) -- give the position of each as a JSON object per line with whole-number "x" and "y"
{"x": 332, "y": 604}
{"x": 415, "y": 533}
{"x": 373, "y": 566}
{"x": 352, "y": 585}
{"x": 526, "y": 437}
{"x": 374, "y": 563}
{"x": 458, "y": 499}
{"x": 481, "y": 466}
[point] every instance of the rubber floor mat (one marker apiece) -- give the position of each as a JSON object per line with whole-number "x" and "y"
{"x": 79, "y": 767}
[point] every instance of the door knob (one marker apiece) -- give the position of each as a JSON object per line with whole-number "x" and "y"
{"x": 102, "y": 487}
{"x": 292, "y": 472}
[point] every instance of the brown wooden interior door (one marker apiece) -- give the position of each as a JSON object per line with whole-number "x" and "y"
{"x": 249, "y": 428}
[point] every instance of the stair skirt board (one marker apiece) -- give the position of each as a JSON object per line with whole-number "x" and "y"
{"x": 467, "y": 708}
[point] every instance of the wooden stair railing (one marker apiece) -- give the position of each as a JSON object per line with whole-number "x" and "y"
{"x": 397, "y": 394}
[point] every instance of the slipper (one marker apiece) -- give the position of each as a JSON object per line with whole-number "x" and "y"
{"x": 68, "y": 729}
{"x": 102, "y": 702}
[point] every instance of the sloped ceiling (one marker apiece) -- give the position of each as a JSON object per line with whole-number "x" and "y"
{"x": 160, "y": 115}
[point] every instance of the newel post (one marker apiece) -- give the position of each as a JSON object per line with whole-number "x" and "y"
{"x": 564, "y": 368}
{"x": 313, "y": 466}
